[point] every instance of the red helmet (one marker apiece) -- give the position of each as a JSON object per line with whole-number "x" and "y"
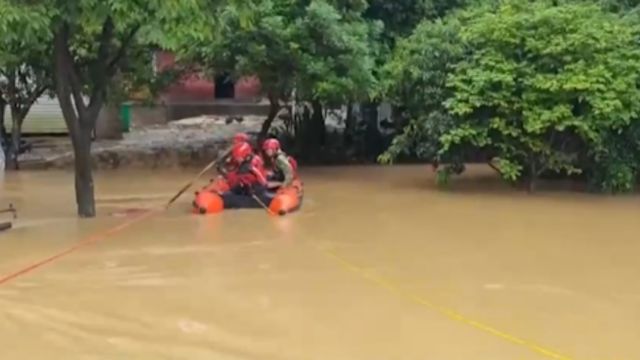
{"x": 240, "y": 138}
{"x": 240, "y": 151}
{"x": 271, "y": 144}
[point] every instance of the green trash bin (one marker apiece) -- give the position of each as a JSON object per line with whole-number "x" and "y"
{"x": 125, "y": 116}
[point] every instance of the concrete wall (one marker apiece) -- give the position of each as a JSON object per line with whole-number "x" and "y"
{"x": 108, "y": 124}
{"x": 178, "y": 111}
{"x": 143, "y": 115}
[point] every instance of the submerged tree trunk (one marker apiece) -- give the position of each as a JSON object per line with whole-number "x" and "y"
{"x": 15, "y": 143}
{"x": 274, "y": 108}
{"x": 83, "y": 174}
{"x": 17, "y": 117}
{"x": 349, "y": 126}
{"x": 79, "y": 117}
{"x": 533, "y": 176}
{"x": 373, "y": 139}
{"x": 3, "y": 108}
{"x": 3, "y": 134}
{"x": 318, "y": 125}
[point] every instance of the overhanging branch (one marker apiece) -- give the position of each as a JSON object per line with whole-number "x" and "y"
{"x": 122, "y": 51}
{"x": 99, "y": 73}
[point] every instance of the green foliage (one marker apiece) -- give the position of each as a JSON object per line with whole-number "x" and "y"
{"x": 415, "y": 80}
{"x": 90, "y": 41}
{"x": 320, "y": 51}
{"x": 540, "y": 78}
{"x": 253, "y": 39}
{"x": 336, "y": 55}
{"x": 118, "y": 29}
{"x": 532, "y": 87}
{"x": 621, "y": 6}
{"x": 322, "y": 47}
{"x": 537, "y": 86}
{"x": 615, "y": 169}
{"x": 25, "y": 39}
{"x": 401, "y": 17}
{"x": 137, "y": 79}
{"x": 25, "y": 64}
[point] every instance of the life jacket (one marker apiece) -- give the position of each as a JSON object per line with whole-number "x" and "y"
{"x": 244, "y": 174}
{"x": 276, "y": 174}
{"x": 294, "y": 166}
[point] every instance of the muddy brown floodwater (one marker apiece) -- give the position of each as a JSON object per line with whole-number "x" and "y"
{"x": 378, "y": 264}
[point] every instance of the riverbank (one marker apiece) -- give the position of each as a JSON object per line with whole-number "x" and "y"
{"x": 184, "y": 143}
{"x": 190, "y": 142}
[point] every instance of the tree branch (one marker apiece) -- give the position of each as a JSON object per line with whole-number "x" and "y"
{"x": 63, "y": 88}
{"x": 126, "y": 42}
{"x": 23, "y": 76}
{"x": 11, "y": 87}
{"x": 493, "y": 166}
{"x": 26, "y": 106}
{"x": 68, "y": 69}
{"x": 36, "y": 94}
{"x": 99, "y": 73}
{"x": 105, "y": 40}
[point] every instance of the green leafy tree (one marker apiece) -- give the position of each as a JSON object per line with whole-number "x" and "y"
{"x": 255, "y": 39}
{"x": 90, "y": 40}
{"x": 337, "y": 62}
{"x": 415, "y": 81}
{"x": 622, "y": 6}
{"x": 323, "y": 49}
{"x": 542, "y": 85}
{"x": 24, "y": 68}
{"x": 401, "y": 17}
{"x": 335, "y": 53}
{"x": 415, "y": 20}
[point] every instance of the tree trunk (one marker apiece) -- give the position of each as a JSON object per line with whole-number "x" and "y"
{"x": 533, "y": 175}
{"x": 349, "y": 126}
{"x": 3, "y": 107}
{"x": 301, "y": 133}
{"x": 313, "y": 132}
{"x": 274, "y": 108}
{"x": 3, "y": 134}
{"x": 16, "y": 133}
{"x": 373, "y": 138}
{"x": 79, "y": 117}
{"x": 83, "y": 174}
{"x": 15, "y": 145}
{"x": 319, "y": 127}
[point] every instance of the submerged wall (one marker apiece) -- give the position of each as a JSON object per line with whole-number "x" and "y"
{"x": 186, "y": 143}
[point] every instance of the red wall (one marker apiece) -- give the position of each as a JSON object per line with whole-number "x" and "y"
{"x": 198, "y": 88}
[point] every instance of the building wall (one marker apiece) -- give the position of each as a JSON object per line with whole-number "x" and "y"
{"x": 198, "y": 88}
{"x": 45, "y": 116}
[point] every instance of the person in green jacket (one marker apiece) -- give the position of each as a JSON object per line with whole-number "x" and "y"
{"x": 283, "y": 167}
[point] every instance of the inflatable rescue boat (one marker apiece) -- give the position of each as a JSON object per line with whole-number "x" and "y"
{"x": 215, "y": 197}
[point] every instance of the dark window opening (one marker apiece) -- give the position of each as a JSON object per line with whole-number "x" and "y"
{"x": 225, "y": 88}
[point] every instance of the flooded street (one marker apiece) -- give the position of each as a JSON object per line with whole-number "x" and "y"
{"x": 378, "y": 264}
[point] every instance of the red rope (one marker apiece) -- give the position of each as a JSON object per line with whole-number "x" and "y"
{"x": 88, "y": 241}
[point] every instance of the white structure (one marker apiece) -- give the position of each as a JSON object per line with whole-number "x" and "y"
{"x": 45, "y": 116}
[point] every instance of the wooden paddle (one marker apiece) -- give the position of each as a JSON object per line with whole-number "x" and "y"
{"x": 190, "y": 183}
{"x": 257, "y": 199}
